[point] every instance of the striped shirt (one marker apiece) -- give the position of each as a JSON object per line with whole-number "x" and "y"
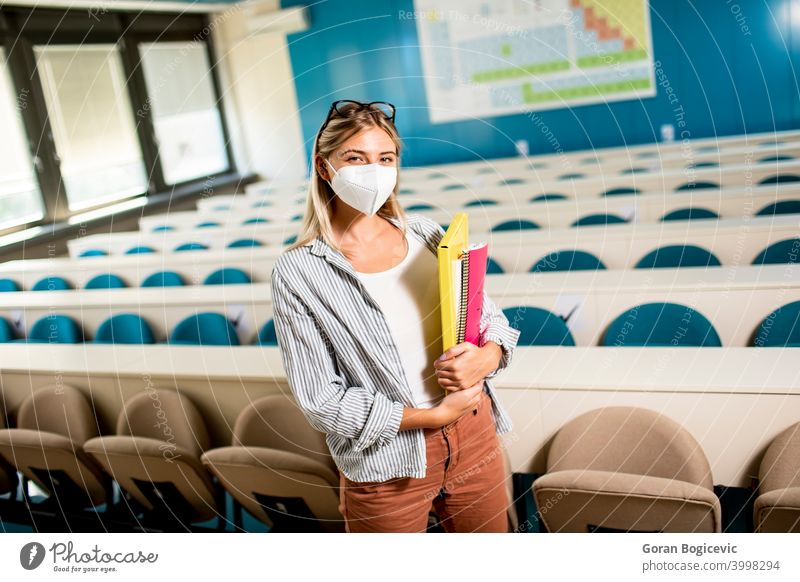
{"x": 343, "y": 366}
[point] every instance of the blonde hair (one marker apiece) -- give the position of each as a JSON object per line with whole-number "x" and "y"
{"x": 340, "y": 128}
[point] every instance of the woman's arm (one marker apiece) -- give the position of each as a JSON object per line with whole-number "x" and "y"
{"x": 354, "y": 412}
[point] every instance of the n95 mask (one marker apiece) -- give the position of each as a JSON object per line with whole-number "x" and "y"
{"x": 366, "y": 188}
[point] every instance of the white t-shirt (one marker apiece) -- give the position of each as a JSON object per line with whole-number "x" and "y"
{"x": 408, "y": 295}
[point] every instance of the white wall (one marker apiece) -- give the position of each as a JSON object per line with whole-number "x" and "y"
{"x": 259, "y": 91}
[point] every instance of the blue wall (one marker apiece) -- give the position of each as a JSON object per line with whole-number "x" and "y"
{"x": 727, "y": 81}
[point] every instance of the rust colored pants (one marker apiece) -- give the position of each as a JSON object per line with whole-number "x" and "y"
{"x": 464, "y": 483}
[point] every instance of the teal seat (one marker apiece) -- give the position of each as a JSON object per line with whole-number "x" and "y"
{"x": 191, "y": 246}
{"x": 291, "y": 240}
{"x": 205, "y": 329}
{"x": 245, "y": 242}
{"x": 567, "y": 261}
{"x": 93, "y": 253}
{"x": 782, "y": 207}
{"x": 297, "y": 217}
{"x": 537, "y": 166}
{"x": 780, "y": 179}
{"x": 512, "y": 182}
{"x": 52, "y": 283}
{"x": 208, "y": 224}
{"x": 261, "y": 204}
{"x": 635, "y": 170}
{"x": 404, "y": 191}
{"x": 140, "y": 250}
{"x": 164, "y": 279}
{"x": 267, "y": 335}
{"x": 702, "y": 165}
{"x": 8, "y": 285}
{"x": 548, "y": 197}
{"x": 598, "y": 220}
{"x": 164, "y": 228}
{"x": 780, "y": 329}
{"x": 624, "y": 191}
{"x": 436, "y": 175}
{"x": 125, "y": 328}
{"x": 493, "y": 267}
{"x": 673, "y": 256}
{"x": 697, "y": 186}
{"x": 454, "y": 187}
{"x": 573, "y": 176}
{"x": 55, "y": 328}
{"x": 105, "y": 281}
{"x": 689, "y": 214}
{"x": 515, "y": 224}
{"x": 444, "y": 226}
{"x": 255, "y": 220}
{"x": 661, "y": 325}
{"x": 7, "y": 333}
{"x": 414, "y": 207}
{"x": 784, "y": 251}
{"x": 227, "y": 276}
{"x": 781, "y": 158}
{"x": 222, "y": 207}
{"x": 538, "y": 327}
{"x": 481, "y": 202}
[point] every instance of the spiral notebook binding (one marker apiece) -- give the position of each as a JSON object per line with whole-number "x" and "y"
{"x": 462, "y": 308}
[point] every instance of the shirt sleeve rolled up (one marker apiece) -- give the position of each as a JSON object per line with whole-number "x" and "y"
{"x": 361, "y": 413}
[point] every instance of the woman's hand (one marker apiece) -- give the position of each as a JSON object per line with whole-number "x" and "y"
{"x": 457, "y": 403}
{"x": 465, "y": 364}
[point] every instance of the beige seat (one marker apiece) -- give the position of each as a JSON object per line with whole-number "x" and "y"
{"x": 279, "y": 468}
{"x": 8, "y": 476}
{"x": 155, "y": 457}
{"x": 777, "y": 508}
{"x": 626, "y": 469}
{"x": 46, "y": 447}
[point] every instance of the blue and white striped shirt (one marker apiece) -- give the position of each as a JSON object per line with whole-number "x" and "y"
{"x": 343, "y": 366}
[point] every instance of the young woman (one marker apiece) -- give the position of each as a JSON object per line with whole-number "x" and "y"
{"x": 356, "y": 313}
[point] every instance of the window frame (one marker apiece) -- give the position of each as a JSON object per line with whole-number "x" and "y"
{"x": 23, "y": 28}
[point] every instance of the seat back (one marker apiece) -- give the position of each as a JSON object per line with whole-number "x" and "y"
{"x": 8, "y": 285}
{"x": 538, "y": 327}
{"x": 781, "y": 328}
{"x": 267, "y": 335}
{"x": 56, "y": 328}
{"x": 51, "y": 283}
{"x": 777, "y": 508}
{"x": 106, "y": 281}
{"x": 164, "y": 279}
{"x": 276, "y": 422}
{"x": 125, "y": 328}
{"x": 784, "y": 251}
{"x": 661, "y": 324}
{"x": 567, "y": 260}
{"x": 673, "y": 256}
{"x": 7, "y": 333}
{"x": 227, "y": 276}
{"x": 209, "y": 329}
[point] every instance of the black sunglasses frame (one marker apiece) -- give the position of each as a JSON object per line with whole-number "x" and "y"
{"x": 362, "y": 106}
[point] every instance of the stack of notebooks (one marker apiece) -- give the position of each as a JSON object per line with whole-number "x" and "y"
{"x": 462, "y": 270}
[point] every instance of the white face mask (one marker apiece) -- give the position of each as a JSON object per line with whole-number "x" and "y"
{"x": 365, "y": 188}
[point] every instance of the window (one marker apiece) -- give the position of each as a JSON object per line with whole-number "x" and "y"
{"x": 92, "y": 123}
{"x": 182, "y": 102}
{"x": 20, "y": 199}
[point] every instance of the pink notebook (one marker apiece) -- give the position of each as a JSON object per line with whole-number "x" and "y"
{"x": 473, "y": 273}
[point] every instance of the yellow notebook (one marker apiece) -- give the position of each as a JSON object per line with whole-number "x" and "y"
{"x": 449, "y": 251}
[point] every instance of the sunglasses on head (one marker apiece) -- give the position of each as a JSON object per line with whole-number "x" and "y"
{"x": 341, "y": 107}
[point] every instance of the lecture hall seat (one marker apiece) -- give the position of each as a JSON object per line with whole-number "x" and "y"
{"x": 158, "y": 465}
{"x": 690, "y": 214}
{"x": 190, "y": 246}
{"x": 164, "y": 279}
{"x": 46, "y": 446}
{"x": 55, "y": 328}
{"x": 661, "y": 325}
{"x": 52, "y": 283}
{"x": 779, "y": 329}
{"x": 567, "y": 260}
{"x": 125, "y": 328}
{"x": 8, "y": 474}
{"x": 279, "y": 468}
{"x": 140, "y": 250}
{"x": 227, "y": 276}
{"x": 9, "y": 286}
{"x": 626, "y": 469}
{"x": 777, "y": 508}
{"x": 674, "y": 256}
{"x": 7, "y": 333}
{"x": 784, "y": 251}
{"x": 245, "y": 242}
{"x": 106, "y": 281}
{"x": 538, "y": 327}
{"x": 267, "y": 335}
{"x": 598, "y": 220}
{"x": 93, "y": 253}
{"x": 205, "y": 329}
